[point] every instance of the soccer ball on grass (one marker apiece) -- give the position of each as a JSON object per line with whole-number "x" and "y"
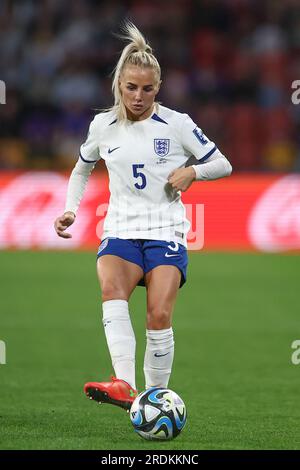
{"x": 158, "y": 414}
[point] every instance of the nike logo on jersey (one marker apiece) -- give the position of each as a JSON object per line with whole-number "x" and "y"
{"x": 112, "y": 150}
{"x": 167, "y": 255}
{"x": 160, "y": 355}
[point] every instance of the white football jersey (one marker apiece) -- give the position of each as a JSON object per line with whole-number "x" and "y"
{"x": 139, "y": 157}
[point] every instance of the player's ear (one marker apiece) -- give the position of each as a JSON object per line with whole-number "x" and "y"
{"x": 119, "y": 85}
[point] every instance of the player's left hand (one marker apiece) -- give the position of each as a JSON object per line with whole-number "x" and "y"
{"x": 182, "y": 178}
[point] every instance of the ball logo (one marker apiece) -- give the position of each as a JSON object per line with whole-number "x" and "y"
{"x": 274, "y": 223}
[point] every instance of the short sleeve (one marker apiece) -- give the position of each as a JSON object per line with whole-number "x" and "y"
{"x": 89, "y": 150}
{"x": 195, "y": 141}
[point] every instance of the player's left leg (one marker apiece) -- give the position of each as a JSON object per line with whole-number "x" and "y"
{"x": 162, "y": 285}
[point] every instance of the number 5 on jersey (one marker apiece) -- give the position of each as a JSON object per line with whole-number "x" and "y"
{"x": 138, "y": 174}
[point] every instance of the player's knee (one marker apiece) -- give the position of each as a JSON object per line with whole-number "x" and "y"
{"x": 113, "y": 291}
{"x": 158, "y": 318}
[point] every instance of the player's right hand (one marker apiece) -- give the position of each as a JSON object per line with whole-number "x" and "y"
{"x": 63, "y": 222}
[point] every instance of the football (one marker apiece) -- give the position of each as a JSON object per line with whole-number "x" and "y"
{"x": 158, "y": 414}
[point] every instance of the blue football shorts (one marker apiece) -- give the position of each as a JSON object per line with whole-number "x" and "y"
{"x": 147, "y": 254}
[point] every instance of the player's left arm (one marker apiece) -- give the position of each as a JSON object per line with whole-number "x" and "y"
{"x": 211, "y": 163}
{"x": 88, "y": 157}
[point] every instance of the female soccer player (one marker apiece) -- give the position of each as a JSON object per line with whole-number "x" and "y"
{"x": 145, "y": 147}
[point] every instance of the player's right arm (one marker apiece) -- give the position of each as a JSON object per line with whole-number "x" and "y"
{"x": 89, "y": 155}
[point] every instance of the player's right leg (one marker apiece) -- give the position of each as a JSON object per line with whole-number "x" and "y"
{"x": 118, "y": 277}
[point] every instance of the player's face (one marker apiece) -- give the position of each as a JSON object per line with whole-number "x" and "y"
{"x": 138, "y": 86}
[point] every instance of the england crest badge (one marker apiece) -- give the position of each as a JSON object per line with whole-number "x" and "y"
{"x": 162, "y": 147}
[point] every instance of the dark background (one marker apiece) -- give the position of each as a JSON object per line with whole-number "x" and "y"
{"x": 230, "y": 64}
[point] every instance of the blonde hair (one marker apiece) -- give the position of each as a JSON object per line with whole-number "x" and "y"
{"x": 137, "y": 52}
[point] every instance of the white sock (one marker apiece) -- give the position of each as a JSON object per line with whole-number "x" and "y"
{"x": 158, "y": 357}
{"x": 120, "y": 339}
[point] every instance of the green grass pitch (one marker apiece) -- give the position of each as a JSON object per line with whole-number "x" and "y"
{"x": 234, "y": 323}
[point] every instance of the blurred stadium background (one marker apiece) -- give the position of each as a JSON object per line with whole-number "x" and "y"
{"x": 230, "y": 64}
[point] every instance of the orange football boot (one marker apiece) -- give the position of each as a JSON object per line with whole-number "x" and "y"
{"x": 117, "y": 392}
